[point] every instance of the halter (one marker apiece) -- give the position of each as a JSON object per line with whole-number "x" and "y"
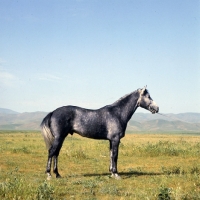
{"x": 174, "y": 118}
{"x": 140, "y": 97}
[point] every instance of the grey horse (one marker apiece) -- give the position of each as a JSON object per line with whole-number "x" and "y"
{"x": 106, "y": 123}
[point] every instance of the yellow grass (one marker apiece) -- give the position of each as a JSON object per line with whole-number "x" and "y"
{"x": 148, "y": 163}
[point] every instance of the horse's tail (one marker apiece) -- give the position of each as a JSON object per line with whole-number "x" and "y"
{"x": 46, "y": 132}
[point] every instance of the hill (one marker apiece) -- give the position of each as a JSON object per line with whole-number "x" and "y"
{"x": 187, "y": 117}
{"x": 160, "y": 125}
{"x": 7, "y": 111}
{"x": 140, "y": 122}
{"x": 21, "y": 121}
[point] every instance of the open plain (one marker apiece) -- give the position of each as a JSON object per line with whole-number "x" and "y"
{"x": 152, "y": 166}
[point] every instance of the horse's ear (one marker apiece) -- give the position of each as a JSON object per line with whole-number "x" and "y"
{"x": 144, "y": 88}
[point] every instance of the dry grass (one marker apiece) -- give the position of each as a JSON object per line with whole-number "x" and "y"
{"x": 152, "y": 166}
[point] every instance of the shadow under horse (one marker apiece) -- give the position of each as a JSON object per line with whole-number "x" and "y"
{"x": 106, "y": 123}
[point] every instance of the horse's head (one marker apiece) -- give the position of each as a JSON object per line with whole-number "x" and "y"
{"x": 145, "y": 101}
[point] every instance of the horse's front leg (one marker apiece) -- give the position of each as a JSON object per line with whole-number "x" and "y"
{"x": 114, "y": 146}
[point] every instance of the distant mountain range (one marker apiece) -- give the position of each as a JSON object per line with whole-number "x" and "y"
{"x": 7, "y": 111}
{"x": 140, "y": 122}
{"x": 183, "y": 122}
{"x": 11, "y": 120}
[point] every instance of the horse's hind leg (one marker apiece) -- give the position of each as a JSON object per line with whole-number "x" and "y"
{"x": 48, "y": 169}
{"x": 55, "y": 167}
{"x": 54, "y": 153}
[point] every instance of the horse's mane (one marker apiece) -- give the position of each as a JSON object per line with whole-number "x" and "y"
{"x": 127, "y": 96}
{"x": 123, "y": 98}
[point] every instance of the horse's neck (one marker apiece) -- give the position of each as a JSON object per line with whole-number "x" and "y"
{"x": 128, "y": 106}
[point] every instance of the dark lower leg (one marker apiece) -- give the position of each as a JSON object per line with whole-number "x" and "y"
{"x": 54, "y": 152}
{"x": 48, "y": 168}
{"x": 55, "y": 169}
{"x": 113, "y": 158}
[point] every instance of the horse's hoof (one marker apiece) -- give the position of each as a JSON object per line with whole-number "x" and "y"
{"x": 48, "y": 176}
{"x": 116, "y": 176}
{"x": 58, "y": 176}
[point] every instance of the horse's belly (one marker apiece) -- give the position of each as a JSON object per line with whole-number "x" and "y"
{"x": 90, "y": 131}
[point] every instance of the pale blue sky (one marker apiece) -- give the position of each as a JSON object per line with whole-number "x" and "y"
{"x": 91, "y": 52}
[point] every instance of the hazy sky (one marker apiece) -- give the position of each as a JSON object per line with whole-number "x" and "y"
{"x": 91, "y": 52}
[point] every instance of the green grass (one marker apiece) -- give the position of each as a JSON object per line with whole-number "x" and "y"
{"x": 151, "y": 166}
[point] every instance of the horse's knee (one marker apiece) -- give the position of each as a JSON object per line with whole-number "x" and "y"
{"x": 51, "y": 151}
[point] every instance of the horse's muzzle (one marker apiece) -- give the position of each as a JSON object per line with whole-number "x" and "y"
{"x": 153, "y": 108}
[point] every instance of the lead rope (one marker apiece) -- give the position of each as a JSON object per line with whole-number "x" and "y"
{"x": 177, "y": 119}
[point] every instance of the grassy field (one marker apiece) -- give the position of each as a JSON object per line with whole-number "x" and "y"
{"x": 152, "y": 166}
